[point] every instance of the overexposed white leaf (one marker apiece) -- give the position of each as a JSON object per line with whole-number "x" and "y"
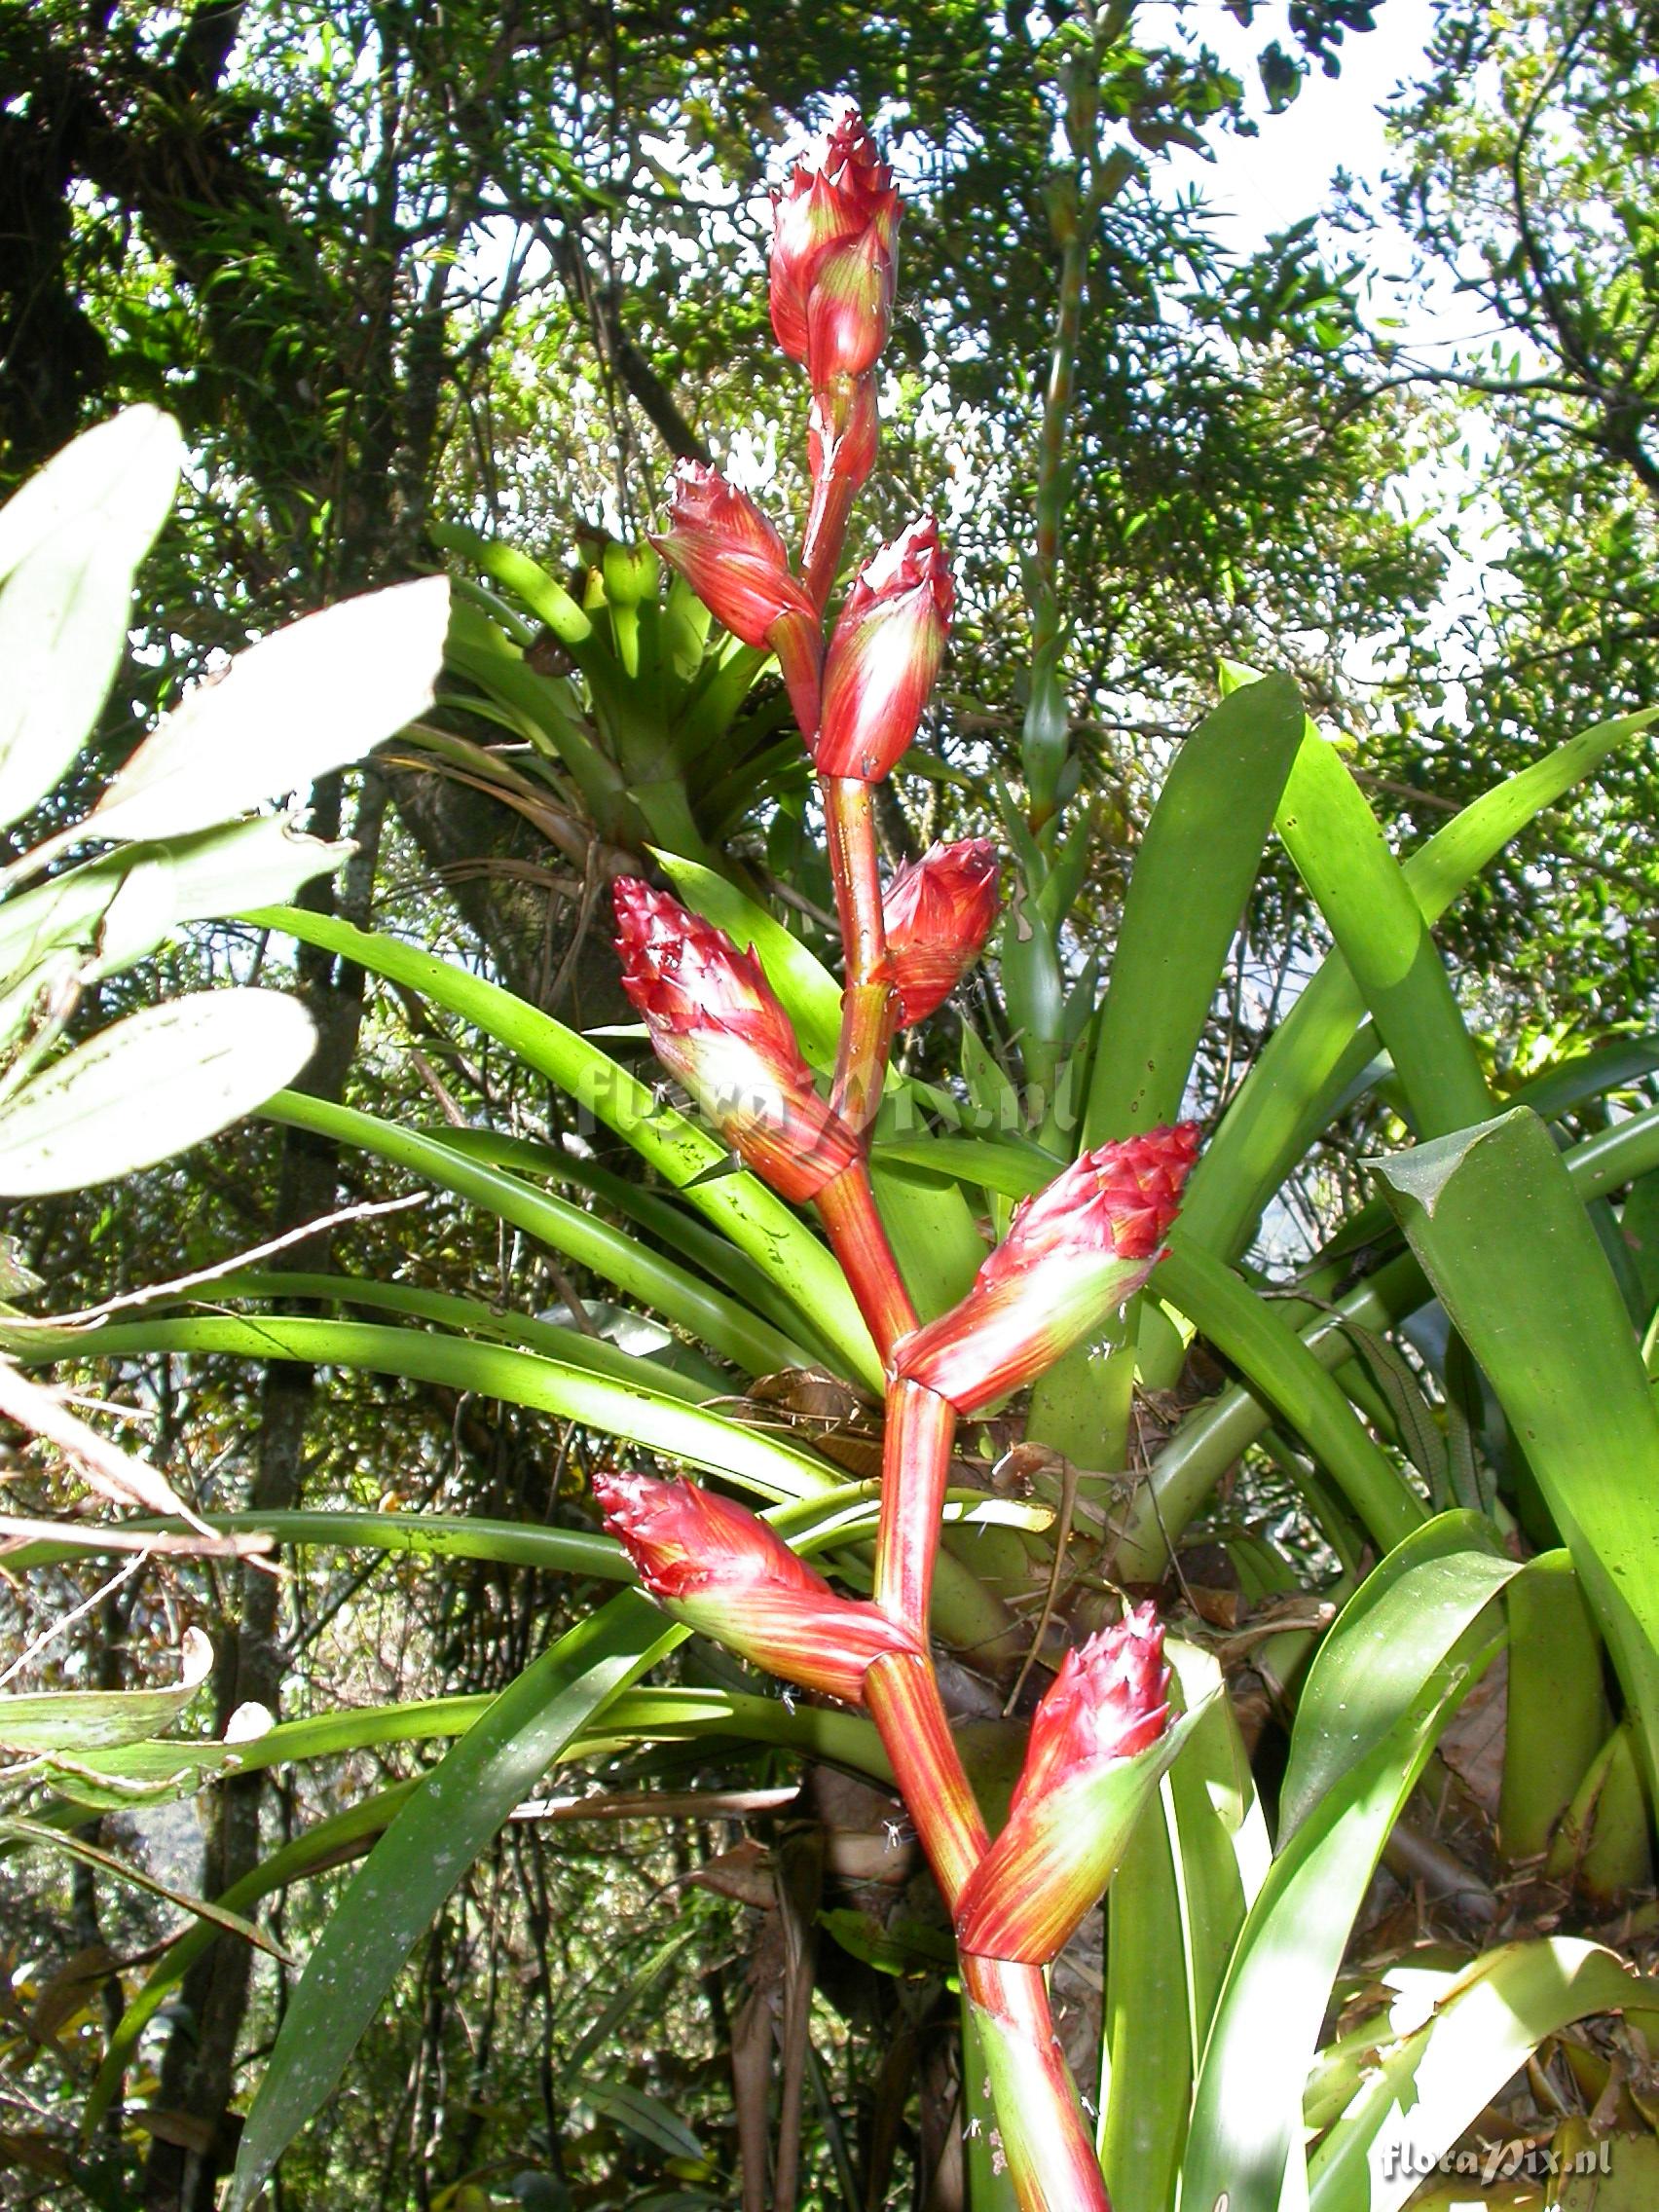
{"x": 305, "y": 700}
{"x": 67, "y": 600}
{"x": 130, "y": 901}
{"x": 151, "y": 1085}
{"x": 139, "y": 446}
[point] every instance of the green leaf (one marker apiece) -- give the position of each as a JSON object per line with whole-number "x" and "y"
{"x": 106, "y": 1863}
{"x": 718, "y": 1320}
{"x": 151, "y": 1085}
{"x": 1432, "y": 2078}
{"x": 1146, "y": 2079}
{"x": 932, "y": 1234}
{"x": 1011, "y": 1166}
{"x": 1501, "y": 1233}
{"x": 309, "y": 699}
{"x": 1192, "y": 876}
{"x": 1402, "y": 1622}
{"x": 83, "y": 1720}
{"x": 447, "y": 1821}
{"x": 1284, "y": 1102}
{"x": 126, "y": 903}
{"x": 644, "y": 2115}
{"x": 320, "y": 1848}
{"x": 630, "y": 1411}
{"x": 1556, "y": 1716}
{"x": 70, "y": 544}
{"x": 474, "y": 1317}
{"x": 1342, "y": 857}
{"x": 756, "y": 1221}
{"x": 1281, "y": 1369}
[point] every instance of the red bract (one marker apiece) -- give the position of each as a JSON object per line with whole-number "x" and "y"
{"x": 836, "y": 222}
{"x": 1073, "y": 1805}
{"x": 884, "y": 656}
{"x": 1071, "y": 1257}
{"x": 731, "y": 555}
{"x": 716, "y": 1026}
{"x": 720, "y": 1569}
{"x": 938, "y": 913}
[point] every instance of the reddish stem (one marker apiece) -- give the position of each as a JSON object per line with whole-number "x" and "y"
{"x": 866, "y": 1002}
{"x": 847, "y": 1206}
{"x": 826, "y": 535}
{"x": 902, "y": 1695}
{"x": 1045, "y": 2140}
{"x": 915, "y": 1468}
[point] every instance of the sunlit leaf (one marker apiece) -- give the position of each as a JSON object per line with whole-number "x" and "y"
{"x": 149, "y": 1087}
{"x": 308, "y": 699}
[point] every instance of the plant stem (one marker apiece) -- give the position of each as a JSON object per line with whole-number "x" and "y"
{"x": 921, "y": 1428}
{"x": 826, "y": 534}
{"x": 1048, "y": 2147}
{"x": 901, "y": 1696}
{"x": 847, "y": 1206}
{"x": 866, "y": 1019}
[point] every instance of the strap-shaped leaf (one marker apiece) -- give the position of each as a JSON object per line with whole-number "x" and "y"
{"x": 630, "y": 1411}
{"x": 1433, "y": 2082}
{"x": 718, "y": 1320}
{"x": 1403, "y": 1621}
{"x": 1192, "y": 876}
{"x": 1246, "y": 2123}
{"x": 1342, "y": 857}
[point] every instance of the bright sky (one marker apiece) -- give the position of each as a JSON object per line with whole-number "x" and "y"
{"x": 1269, "y": 182}
{"x": 1261, "y": 185}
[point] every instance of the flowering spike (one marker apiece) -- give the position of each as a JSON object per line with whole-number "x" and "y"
{"x": 1072, "y": 1255}
{"x": 938, "y": 913}
{"x": 839, "y": 201}
{"x": 884, "y": 656}
{"x": 1076, "y": 1800}
{"x": 720, "y": 1569}
{"x": 716, "y": 1026}
{"x": 730, "y": 554}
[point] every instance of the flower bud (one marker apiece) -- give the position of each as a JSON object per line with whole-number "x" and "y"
{"x": 720, "y": 1569}
{"x": 848, "y": 311}
{"x": 839, "y": 201}
{"x": 938, "y": 913}
{"x": 1078, "y": 1797}
{"x": 884, "y": 656}
{"x": 1072, "y": 1255}
{"x": 731, "y": 555}
{"x": 718, "y": 1028}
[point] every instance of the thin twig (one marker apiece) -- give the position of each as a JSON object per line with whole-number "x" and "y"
{"x": 85, "y": 1316}
{"x": 113, "y": 1473}
{"x": 23, "y": 1529}
{"x": 56, "y": 1629}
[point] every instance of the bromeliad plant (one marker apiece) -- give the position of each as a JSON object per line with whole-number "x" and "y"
{"x": 1235, "y": 2063}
